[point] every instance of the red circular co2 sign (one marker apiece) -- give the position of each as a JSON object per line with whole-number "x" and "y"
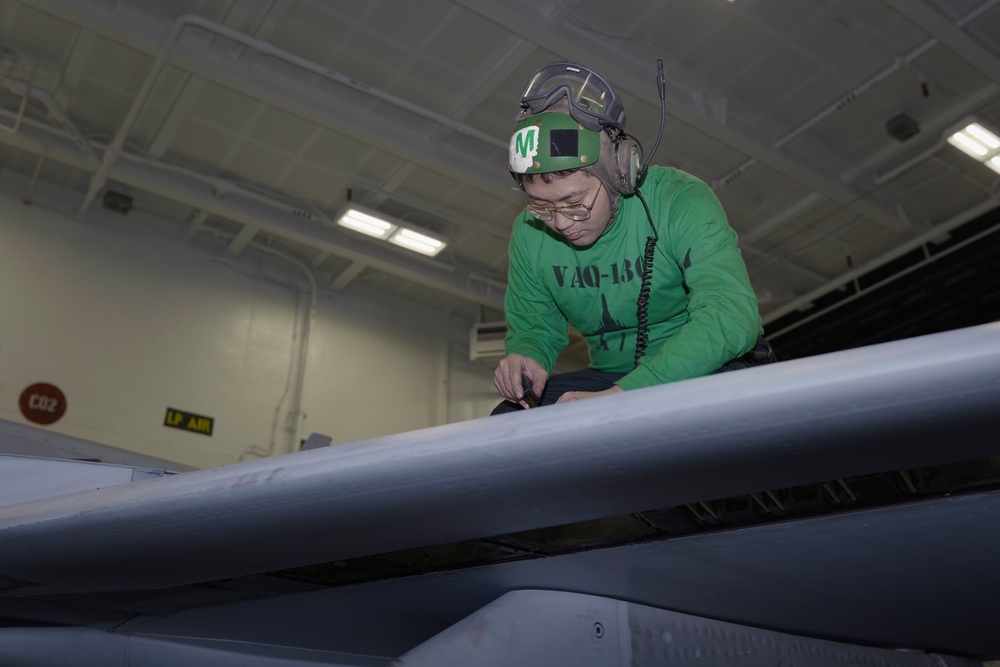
{"x": 43, "y": 403}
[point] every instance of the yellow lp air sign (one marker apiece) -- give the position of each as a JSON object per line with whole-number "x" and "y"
{"x": 187, "y": 421}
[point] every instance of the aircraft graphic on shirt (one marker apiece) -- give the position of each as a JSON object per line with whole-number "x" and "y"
{"x": 608, "y": 325}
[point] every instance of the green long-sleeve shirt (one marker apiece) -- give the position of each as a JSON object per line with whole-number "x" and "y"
{"x": 702, "y": 311}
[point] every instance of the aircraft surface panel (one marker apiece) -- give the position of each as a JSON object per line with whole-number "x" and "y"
{"x": 339, "y": 549}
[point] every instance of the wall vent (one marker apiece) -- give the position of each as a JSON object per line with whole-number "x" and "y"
{"x": 486, "y": 340}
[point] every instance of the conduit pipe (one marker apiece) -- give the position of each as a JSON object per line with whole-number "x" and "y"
{"x": 20, "y": 114}
{"x": 295, "y": 416}
{"x": 114, "y": 148}
{"x": 54, "y": 110}
{"x": 296, "y": 375}
{"x": 30, "y": 192}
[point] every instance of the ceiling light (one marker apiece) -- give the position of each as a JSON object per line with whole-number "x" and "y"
{"x": 366, "y": 222}
{"x": 417, "y": 241}
{"x": 976, "y": 141}
{"x": 381, "y": 226}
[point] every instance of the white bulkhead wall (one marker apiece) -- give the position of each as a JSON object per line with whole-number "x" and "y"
{"x": 130, "y": 319}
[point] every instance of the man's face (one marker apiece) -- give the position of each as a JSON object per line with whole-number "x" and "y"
{"x": 577, "y": 190}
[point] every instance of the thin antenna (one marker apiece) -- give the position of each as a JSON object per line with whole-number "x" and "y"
{"x": 661, "y": 88}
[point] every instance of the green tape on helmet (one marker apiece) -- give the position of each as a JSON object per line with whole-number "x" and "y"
{"x": 552, "y": 142}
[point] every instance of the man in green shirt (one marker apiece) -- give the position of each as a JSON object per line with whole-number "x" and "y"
{"x": 643, "y": 263}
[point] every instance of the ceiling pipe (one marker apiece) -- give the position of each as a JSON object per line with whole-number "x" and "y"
{"x": 20, "y": 114}
{"x": 114, "y": 149}
{"x": 54, "y": 111}
{"x": 30, "y": 192}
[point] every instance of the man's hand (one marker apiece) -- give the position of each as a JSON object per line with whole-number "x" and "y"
{"x": 509, "y": 373}
{"x": 580, "y": 395}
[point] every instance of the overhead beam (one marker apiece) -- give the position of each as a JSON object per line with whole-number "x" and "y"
{"x": 345, "y": 277}
{"x": 240, "y": 242}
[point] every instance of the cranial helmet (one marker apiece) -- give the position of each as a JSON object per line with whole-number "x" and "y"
{"x": 571, "y": 118}
{"x": 552, "y": 142}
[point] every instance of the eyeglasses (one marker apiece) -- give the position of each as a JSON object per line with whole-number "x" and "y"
{"x": 575, "y": 212}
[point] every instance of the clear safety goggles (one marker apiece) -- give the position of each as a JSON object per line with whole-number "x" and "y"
{"x": 592, "y": 102}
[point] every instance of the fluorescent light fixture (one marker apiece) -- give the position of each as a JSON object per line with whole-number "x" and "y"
{"x": 381, "y": 226}
{"x": 976, "y": 141}
{"x": 417, "y": 241}
{"x": 366, "y": 223}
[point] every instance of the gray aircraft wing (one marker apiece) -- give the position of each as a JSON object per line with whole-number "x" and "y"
{"x": 841, "y": 507}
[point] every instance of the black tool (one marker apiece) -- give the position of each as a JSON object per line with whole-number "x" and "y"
{"x": 529, "y": 395}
